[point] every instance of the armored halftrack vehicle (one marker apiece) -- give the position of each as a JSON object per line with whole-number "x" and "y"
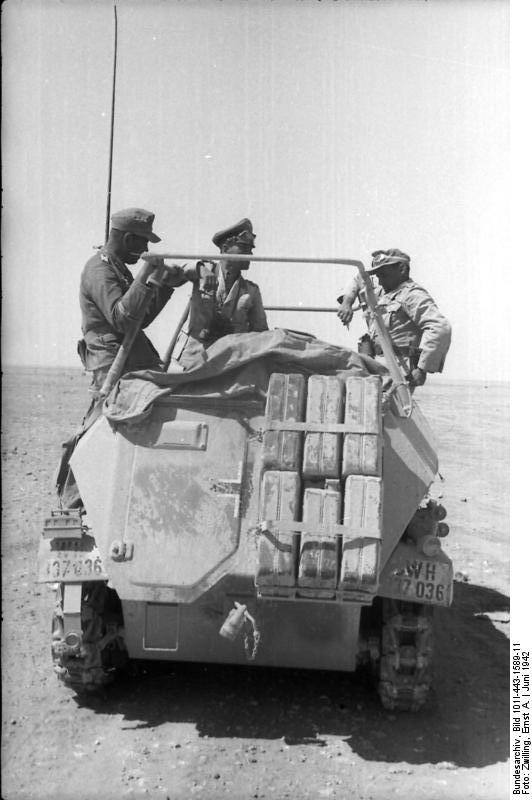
{"x": 269, "y": 507}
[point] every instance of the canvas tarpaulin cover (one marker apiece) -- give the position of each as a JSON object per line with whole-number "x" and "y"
{"x": 236, "y": 366}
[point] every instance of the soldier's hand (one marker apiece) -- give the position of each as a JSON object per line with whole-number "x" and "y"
{"x": 345, "y": 313}
{"x": 148, "y": 268}
{"x": 366, "y": 346}
{"x": 175, "y": 276}
{"x": 208, "y": 282}
{"x": 417, "y": 377}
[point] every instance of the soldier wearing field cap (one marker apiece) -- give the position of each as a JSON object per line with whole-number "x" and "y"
{"x": 111, "y": 301}
{"x": 111, "y": 298}
{"x": 235, "y": 306}
{"x": 420, "y": 334}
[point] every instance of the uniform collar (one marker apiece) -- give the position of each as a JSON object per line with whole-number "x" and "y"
{"x": 109, "y": 258}
{"x": 392, "y": 293}
{"x": 222, "y": 293}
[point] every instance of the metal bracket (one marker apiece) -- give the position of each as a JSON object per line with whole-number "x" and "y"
{"x": 64, "y": 524}
{"x": 72, "y": 611}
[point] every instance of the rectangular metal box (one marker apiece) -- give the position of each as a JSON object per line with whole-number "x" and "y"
{"x": 362, "y": 451}
{"x": 278, "y": 550}
{"x": 318, "y": 560}
{"x": 325, "y": 404}
{"x": 285, "y": 402}
{"x": 361, "y": 548}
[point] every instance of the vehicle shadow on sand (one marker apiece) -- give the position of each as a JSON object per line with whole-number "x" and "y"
{"x": 465, "y": 721}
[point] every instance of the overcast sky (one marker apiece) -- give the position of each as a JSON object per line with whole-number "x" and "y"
{"x": 337, "y": 127}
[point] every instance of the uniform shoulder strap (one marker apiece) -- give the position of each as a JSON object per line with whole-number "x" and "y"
{"x": 124, "y": 275}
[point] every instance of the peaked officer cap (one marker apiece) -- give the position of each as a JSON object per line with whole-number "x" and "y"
{"x": 381, "y": 258}
{"x": 135, "y": 220}
{"x": 240, "y": 233}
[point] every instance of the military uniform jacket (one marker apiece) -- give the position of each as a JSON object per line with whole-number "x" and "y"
{"x": 110, "y": 300}
{"x": 414, "y": 322}
{"x": 240, "y": 308}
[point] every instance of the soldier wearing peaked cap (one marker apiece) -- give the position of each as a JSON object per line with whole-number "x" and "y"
{"x": 241, "y": 233}
{"x": 235, "y": 306}
{"x": 420, "y": 334}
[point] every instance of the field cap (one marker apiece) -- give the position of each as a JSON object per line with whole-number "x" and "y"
{"x": 135, "y": 220}
{"x": 239, "y": 233}
{"x": 381, "y": 258}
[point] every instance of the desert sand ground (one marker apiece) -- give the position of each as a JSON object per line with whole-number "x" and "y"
{"x": 219, "y": 732}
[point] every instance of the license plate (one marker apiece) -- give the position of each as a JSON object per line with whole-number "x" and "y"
{"x": 419, "y": 580}
{"x": 74, "y": 560}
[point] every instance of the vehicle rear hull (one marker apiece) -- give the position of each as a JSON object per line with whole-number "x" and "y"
{"x": 309, "y": 635}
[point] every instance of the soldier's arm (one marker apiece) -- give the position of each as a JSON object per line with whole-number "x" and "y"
{"x": 257, "y": 314}
{"x": 161, "y": 296}
{"x": 435, "y": 328}
{"x": 201, "y": 275}
{"x": 120, "y": 308}
{"x": 346, "y": 300}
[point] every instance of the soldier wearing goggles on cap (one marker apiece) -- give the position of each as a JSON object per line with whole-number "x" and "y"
{"x": 234, "y": 305}
{"x": 420, "y": 334}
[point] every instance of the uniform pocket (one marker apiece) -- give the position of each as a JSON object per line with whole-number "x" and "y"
{"x": 106, "y": 341}
{"x": 82, "y": 351}
{"x": 391, "y": 311}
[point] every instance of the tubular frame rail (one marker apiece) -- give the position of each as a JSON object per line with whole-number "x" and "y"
{"x": 399, "y": 384}
{"x": 326, "y": 309}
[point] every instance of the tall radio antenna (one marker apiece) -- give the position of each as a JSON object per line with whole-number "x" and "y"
{"x": 110, "y": 172}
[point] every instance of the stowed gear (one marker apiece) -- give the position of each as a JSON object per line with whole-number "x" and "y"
{"x": 406, "y": 655}
{"x": 93, "y": 662}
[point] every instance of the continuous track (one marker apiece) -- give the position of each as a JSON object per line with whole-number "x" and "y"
{"x": 405, "y": 677}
